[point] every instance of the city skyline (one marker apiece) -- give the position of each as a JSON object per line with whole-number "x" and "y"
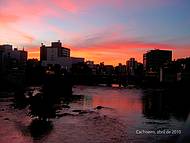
{"x": 13, "y": 48}
{"x": 109, "y": 31}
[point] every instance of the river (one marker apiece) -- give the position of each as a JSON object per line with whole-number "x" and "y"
{"x": 98, "y": 114}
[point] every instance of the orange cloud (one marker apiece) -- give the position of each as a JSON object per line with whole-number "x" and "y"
{"x": 119, "y": 51}
{"x": 7, "y": 18}
{"x": 33, "y": 53}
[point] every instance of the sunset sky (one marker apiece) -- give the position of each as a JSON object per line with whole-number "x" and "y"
{"x": 101, "y": 30}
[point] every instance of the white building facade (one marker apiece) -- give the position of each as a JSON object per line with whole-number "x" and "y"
{"x": 57, "y": 55}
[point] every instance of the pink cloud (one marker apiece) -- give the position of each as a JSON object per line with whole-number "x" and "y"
{"x": 14, "y": 36}
{"x": 27, "y": 8}
{"x": 66, "y": 5}
{"x": 37, "y": 9}
{"x": 18, "y": 19}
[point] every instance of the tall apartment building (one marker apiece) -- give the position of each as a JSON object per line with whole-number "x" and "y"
{"x": 131, "y": 66}
{"x": 56, "y": 54}
{"x": 154, "y": 59}
{"x": 8, "y": 53}
{"x": 54, "y": 51}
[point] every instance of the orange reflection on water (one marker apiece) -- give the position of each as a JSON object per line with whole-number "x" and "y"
{"x": 124, "y": 104}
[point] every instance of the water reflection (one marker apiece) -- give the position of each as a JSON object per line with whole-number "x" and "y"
{"x": 155, "y": 104}
{"x": 95, "y": 113}
{"x": 40, "y": 128}
{"x": 164, "y": 104}
{"x": 20, "y": 101}
{"x": 41, "y": 107}
{"x": 122, "y": 101}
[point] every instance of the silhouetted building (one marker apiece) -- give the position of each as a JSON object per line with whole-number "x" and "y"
{"x": 121, "y": 69}
{"x": 1, "y": 61}
{"x": 102, "y": 69}
{"x": 154, "y": 59}
{"x": 12, "y": 65}
{"x": 108, "y": 69}
{"x": 178, "y": 70}
{"x": 19, "y": 55}
{"x": 90, "y": 64}
{"x": 7, "y": 55}
{"x": 131, "y": 66}
{"x": 54, "y": 51}
{"x": 57, "y": 55}
{"x": 184, "y": 69}
{"x": 5, "y": 51}
{"x": 6, "y": 48}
